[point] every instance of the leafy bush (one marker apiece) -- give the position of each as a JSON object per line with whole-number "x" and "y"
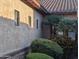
{"x": 38, "y": 56}
{"x": 48, "y": 47}
{"x": 64, "y": 43}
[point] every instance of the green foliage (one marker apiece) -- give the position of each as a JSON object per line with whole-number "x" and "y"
{"x": 48, "y": 47}
{"x": 63, "y": 42}
{"x": 67, "y": 45}
{"x": 67, "y": 23}
{"x": 75, "y": 26}
{"x": 53, "y": 19}
{"x": 38, "y": 56}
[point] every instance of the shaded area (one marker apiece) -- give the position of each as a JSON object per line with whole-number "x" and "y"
{"x": 71, "y": 53}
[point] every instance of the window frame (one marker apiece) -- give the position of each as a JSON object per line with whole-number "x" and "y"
{"x": 37, "y": 24}
{"x": 30, "y": 20}
{"x": 17, "y": 17}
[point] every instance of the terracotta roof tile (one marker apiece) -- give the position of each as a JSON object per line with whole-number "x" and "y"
{"x": 60, "y": 5}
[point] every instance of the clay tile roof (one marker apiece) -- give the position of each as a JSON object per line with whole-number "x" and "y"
{"x": 60, "y": 5}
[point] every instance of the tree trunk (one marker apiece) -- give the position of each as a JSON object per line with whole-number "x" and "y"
{"x": 50, "y": 31}
{"x": 76, "y": 37}
{"x": 76, "y": 34}
{"x": 65, "y": 33}
{"x": 54, "y": 32}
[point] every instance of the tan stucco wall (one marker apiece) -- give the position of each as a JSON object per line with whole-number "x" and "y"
{"x": 8, "y": 7}
{"x": 14, "y": 37}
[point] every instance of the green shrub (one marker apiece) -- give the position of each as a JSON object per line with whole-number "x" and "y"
{"x": 48, "y": 47}
{"x": 64, "y": 43}
{"x": 38, "y": 56}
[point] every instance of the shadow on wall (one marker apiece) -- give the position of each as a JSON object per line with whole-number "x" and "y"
{"x": 12, "y": 22}
{"x": 13, "y": 37}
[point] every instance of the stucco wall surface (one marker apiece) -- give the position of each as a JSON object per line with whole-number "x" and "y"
{"x": 14, "y": 37}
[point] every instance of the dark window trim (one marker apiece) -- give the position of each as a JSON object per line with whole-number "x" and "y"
{"x": 30, "y": 21}
{"x": 17, "y": 17}
{"x": 37, "y": 24}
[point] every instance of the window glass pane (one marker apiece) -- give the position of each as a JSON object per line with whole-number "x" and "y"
{"x": 37, "y": 23}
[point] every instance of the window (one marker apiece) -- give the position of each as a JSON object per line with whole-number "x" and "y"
{"x": 37, "y": 23}
{"x": 29, "y": 20}
{"x": 17, "y": 17}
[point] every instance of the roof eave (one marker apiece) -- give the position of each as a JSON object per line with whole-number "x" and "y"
{"x": 35, "y": 6}
{"x": 63, "y": 13}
